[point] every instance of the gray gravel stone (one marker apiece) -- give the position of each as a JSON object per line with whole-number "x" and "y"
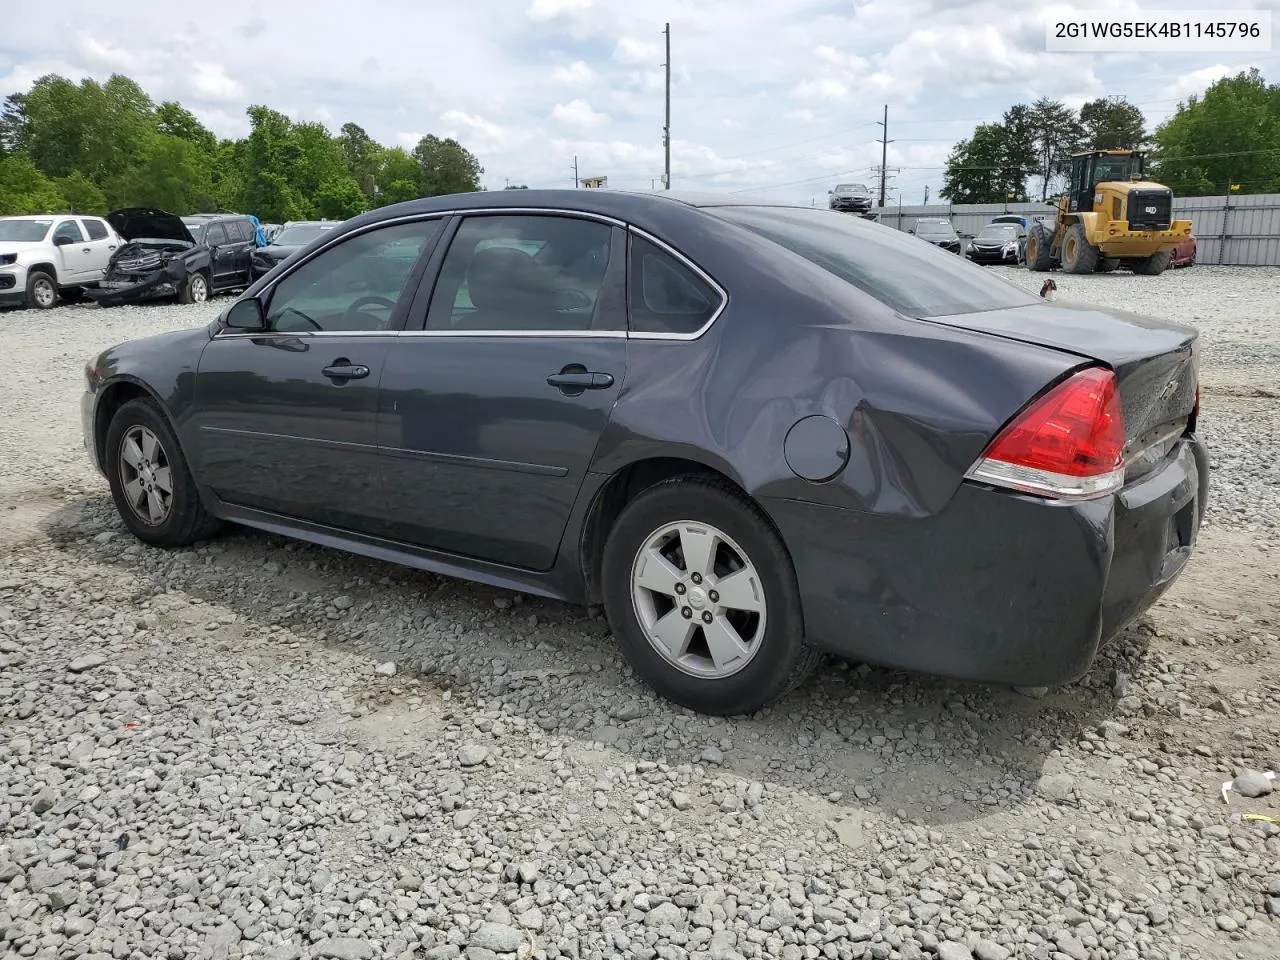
{"x": 1251, "y": 783}
{"x": 498, "y": 937}
{"x": 88, "y": 662}
{"x": 950, "y": 950}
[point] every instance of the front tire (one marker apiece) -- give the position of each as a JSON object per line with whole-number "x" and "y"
{"x": 195, "y": 290}
{"x": 151, "y": 484}
{"x": 1038, "y": 255}
{"x": 702, "y": 597}
{"x": 42, "y": 290}
{"x": 1078, "y": 254}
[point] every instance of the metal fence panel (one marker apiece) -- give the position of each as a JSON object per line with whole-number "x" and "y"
{"x": 1236, "y": 231}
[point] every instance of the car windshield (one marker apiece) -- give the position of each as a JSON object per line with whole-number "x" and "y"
{"x": 24, "y": 231}
{"x": 934, "y": 228}
{"x": 916, "y": 279}
{"x": 1114, "y": 168}
{"x": 299, "y": 235}
{"x": 999, "y": 231}
{"x": 195, "y": 227}
{"x": 851, "y": 188}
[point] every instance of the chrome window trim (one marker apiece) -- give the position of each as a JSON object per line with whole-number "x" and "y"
{"x": 226, "y": 332}
{"x": 706, "y": 277}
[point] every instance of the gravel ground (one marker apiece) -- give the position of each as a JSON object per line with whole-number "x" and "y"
{"x": 256, "y": 748}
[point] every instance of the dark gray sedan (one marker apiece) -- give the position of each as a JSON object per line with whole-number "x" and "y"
{"x": 753, "y": 432}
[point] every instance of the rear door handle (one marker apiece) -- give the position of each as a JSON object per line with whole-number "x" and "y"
{"x": 344, "y": 370}
{"x": 581, "y": 381}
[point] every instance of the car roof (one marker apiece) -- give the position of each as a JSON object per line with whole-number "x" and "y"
{"x": 49, "y": 216}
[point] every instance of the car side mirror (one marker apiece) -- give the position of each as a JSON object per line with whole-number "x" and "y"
{"x": 63, "y": 241}
{"x": 911, "y": 230}
{"x": 246, "y": 314}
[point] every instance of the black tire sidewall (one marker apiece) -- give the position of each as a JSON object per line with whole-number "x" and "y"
{"x": 142, "y": 413}
{"x": 31, "y": 285}
{"x": 770, "y": 670}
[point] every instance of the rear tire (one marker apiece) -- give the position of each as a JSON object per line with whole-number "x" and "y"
{"x": 1154, "y": 265}
{"x": 669, "y": 550}
{"x": 1078, "y": 254}
{"x": 42, "y": 290}
{"x": 151, "y": 484}
{"x": 1107, "y": 264}
{"x": 1039, "y": 256}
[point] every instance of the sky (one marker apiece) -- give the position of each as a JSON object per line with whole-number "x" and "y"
{"x": 771, "y": 98}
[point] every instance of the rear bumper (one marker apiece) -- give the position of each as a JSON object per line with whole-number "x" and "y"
{"x": 998, "y": 587}
{"x": 1124, "y": 242}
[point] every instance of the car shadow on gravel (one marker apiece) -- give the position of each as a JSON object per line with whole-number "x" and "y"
{"x": 856, "y": 744}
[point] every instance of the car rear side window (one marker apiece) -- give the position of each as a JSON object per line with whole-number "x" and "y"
{"x": 665, "y": 295}
{"x": 522, "y": 273}
{"x": 96, "y": 229}
{"x": 901, "y": 271}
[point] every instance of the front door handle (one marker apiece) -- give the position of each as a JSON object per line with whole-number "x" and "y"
{"x": 583, "y": 380}
{"x": 344, "y": 369}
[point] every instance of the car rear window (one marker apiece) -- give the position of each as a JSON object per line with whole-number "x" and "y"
{"x": 914, "y": 278}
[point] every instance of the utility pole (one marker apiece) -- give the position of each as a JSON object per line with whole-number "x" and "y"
{"x": 926, "y": 195}
{"x": 884, "y": 150}
{"x": 576, "y": 181}
{"x": 666, "y": 129}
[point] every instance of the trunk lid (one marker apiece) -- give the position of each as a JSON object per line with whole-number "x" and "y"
{"x": 1156, "y": 363}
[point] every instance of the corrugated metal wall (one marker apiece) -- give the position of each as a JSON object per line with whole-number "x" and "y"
{"x": 1239, "y": 231}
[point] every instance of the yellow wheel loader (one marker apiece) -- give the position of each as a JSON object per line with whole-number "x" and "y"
{"x": 1109, "y": 217}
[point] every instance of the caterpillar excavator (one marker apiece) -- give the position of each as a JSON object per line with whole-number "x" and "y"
{"x": 1109, "y": 217}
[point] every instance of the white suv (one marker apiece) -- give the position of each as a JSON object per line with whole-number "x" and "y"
{"x": 44, "y": 255}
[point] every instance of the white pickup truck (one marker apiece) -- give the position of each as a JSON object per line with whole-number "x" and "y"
{"x": 42, "y": 257}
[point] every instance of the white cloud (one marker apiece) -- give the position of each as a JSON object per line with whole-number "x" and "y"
{"x": 550, "y": 9}
{"x": 575, "y": 74}
{"x": 577, "y": 113}
{"x": 764, "y": 92}
{"x": 635, "y": 52}
{"x": 1197, "y": 81}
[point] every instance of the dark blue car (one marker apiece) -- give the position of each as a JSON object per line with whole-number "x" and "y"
{"x": 754, "y": 432}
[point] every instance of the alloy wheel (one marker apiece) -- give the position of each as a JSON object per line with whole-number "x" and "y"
{"x": 146, "y": 476}
{"x": 44, "y": 292}
{"x": 199, "y": 289}
{"x": 699, "y": 599}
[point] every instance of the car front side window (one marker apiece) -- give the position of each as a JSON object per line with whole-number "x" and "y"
{"x": 354, "y": 285}
{"x": 68, "y": 230}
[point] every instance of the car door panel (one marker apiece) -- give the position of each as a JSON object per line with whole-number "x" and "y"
{"x": 100, "y": 245}
{"x": 484, "y": 452}
{"x": 277, "y": 434}
{"x": 483, "y": 457}
{"x": 286, "y": 420}
{"x": 74, "y": 258}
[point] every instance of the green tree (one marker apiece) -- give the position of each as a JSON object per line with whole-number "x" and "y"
{"x": 173, "y": 174}
{"x": 978, "y": 169}
{"x": 340, "y": 199}
{"x": 1113, "y": 123}
{"x": 446, "y": 166}
{"x": 270, "y": 154}
{"x": 1057, "y": 134}
{"x": 398, "y": 176}
{"x": 1229, "y": 135}
{"x": 82, "y": 195}
{"x": 361, "y": 155}
{"x": 24, "y": 189}
{"x": 176, "y": 120}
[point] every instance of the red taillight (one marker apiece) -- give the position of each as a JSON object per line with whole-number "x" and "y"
{"x": 1068, "y": 444}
